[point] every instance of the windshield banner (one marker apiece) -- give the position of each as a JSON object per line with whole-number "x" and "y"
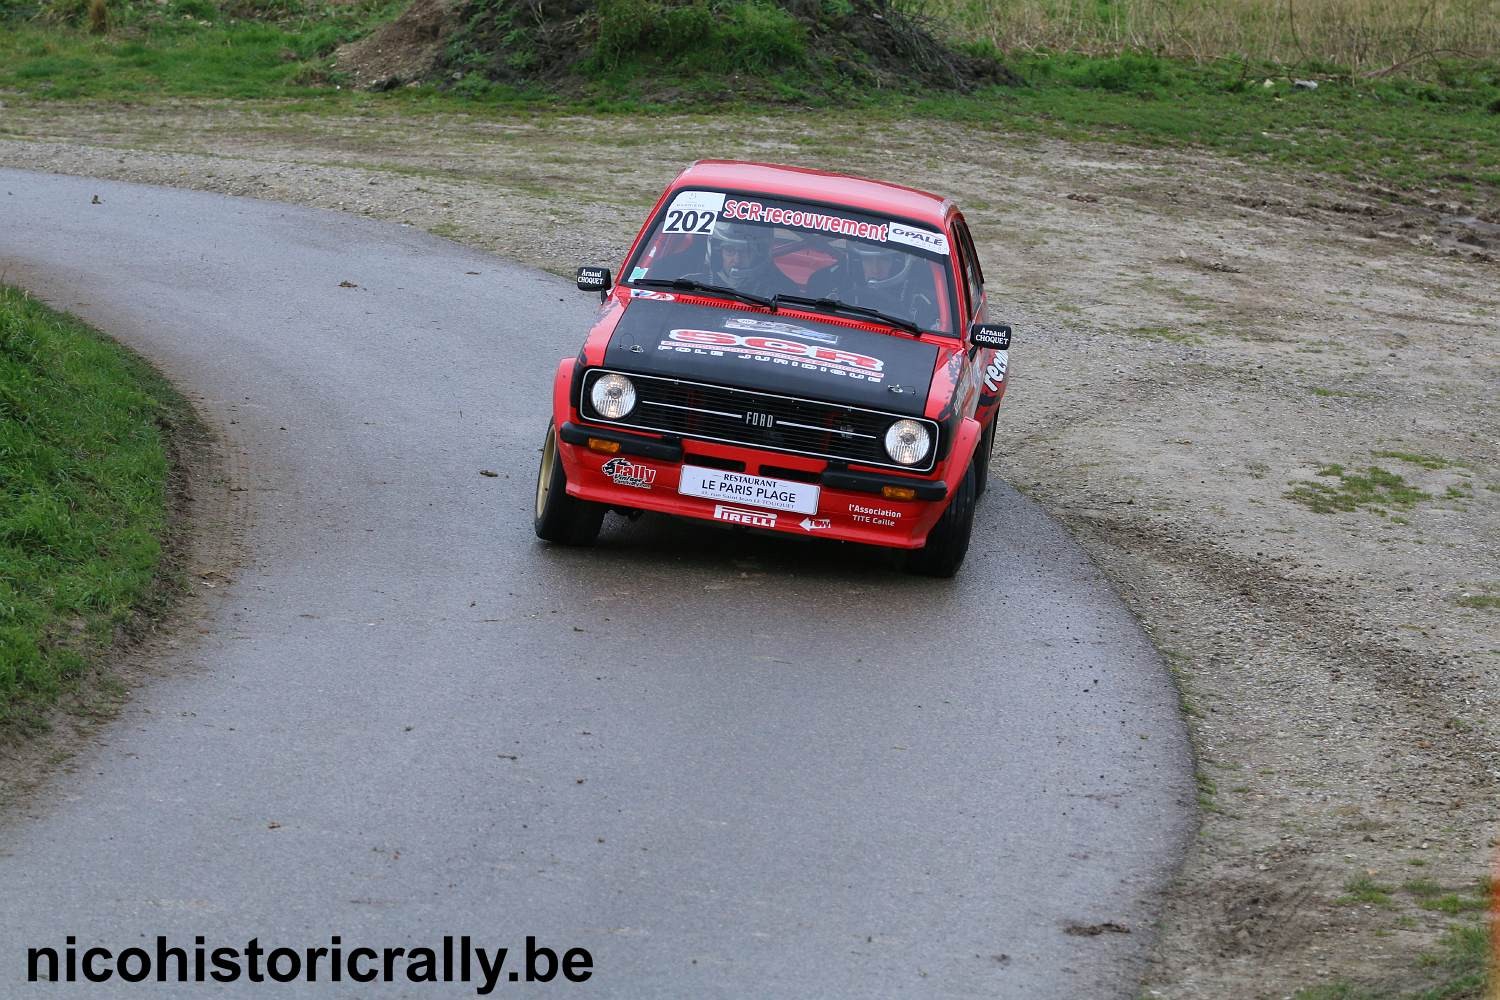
{"x": 839, "y": 225}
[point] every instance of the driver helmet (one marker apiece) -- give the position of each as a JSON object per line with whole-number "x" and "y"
{"x": 881, "y": 269}
{"x": 747, "y": 247}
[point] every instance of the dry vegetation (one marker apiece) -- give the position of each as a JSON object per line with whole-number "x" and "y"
{"x": 1365, "y": 35}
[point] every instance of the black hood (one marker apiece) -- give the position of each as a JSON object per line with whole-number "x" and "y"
{"x": 773, "y": 353}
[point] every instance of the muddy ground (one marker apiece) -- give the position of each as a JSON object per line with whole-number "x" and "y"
{"x": 1197, "y": 340}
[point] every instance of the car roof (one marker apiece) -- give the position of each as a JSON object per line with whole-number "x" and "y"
{"x": 817, "y": 185}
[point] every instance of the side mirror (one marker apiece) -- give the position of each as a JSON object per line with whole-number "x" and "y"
{"x": 594, "y": 279}
{"x": 996, "y": 335}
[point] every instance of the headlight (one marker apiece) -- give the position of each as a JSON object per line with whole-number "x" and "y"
{"x": 907, "y": 442}
{"x": 613, "y": 396}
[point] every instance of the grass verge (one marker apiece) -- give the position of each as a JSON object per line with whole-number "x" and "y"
{"x": 1458, "y": 970}
{"x": 84, "y": 463}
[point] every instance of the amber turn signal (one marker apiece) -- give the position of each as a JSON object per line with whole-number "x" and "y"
{"x": 898, "y": 492}
{"x": 608, "y": 447}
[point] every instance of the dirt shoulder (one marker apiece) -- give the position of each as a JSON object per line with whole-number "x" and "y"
{"x": 1210, "y": 360}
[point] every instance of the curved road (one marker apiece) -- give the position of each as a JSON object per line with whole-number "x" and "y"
{"x": 728, "y": 766}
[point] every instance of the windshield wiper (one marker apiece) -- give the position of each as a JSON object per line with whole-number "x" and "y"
{"x": 693, "y": 285}
{"x": 835, "y": 305}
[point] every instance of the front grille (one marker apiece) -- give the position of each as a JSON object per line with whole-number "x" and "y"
{"x": 761, "y": 420}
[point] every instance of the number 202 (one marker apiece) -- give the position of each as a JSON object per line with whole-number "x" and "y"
{"x": 689, "y": 222}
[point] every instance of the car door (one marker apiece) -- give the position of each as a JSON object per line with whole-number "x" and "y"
{"x": 989, "y": 364}
{"x": 971, "y": 290}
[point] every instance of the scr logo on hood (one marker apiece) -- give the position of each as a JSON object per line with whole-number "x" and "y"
{"x": 811, "y": 355}
{"x": 779, "y": 329}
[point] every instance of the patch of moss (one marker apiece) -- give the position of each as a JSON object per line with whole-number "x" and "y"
{"x": 1375, "y": 489}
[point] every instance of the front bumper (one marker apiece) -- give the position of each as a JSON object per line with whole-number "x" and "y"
{"x": 850, "y": 505}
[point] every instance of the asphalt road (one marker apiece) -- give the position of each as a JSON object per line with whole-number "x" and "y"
{"x": 727, "y": 766}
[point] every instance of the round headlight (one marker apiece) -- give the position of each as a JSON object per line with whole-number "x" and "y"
{"x": 907, "y": 442}
{"x": 613, "y": 396}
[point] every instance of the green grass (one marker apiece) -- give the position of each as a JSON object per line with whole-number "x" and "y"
{"x": 1462, "y": 966}
{"x": 182, "y": 48}
{"x": 1363, "y": 889}
{"x": 1452, "y": 903}
{"x": 1459, "y": 970}
{"x": 1440, "y": 134}
{"x": 1487, "y": 600}
{"x": 235, "y": 61}
{"x": 1424, "y": 461}
{"x": 1166, "y": 333}
{"x": 83, "y": 509}
{"x": 1432, "y": 896}
{"x": 1375, "y": 489}
{"x": 690, "y": 39}
{"x": 1483, "y": 602}
{"x": 1448, "y": 133}
{"x": 1341, "y": 990}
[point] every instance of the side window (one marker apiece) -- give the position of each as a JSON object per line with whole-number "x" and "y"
{"x": 973, "y": 276}
{"x": 965, "y": 271}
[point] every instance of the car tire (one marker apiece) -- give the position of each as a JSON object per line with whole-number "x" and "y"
{"x": 982, "y": 458}
{"x": 560, "y": 518}
{"x": 948, "y": 541}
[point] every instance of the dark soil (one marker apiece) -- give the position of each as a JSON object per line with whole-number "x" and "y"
{"x": 407, "y": 50}
{"x": 711, "y": 50}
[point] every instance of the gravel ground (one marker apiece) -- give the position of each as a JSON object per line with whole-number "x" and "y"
{"x": 1195, "y": 338}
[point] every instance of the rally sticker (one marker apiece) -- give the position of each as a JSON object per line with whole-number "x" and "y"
{"x": 881, "y": 516}
{"x": 797, "y": 218}
{"x": 749, "y": 518}
{"x": 921, "y": 238}
{"x": 776, "y": 351}
{"x": 694, "y": 212}
{"x": 838, "y": 225}
{"x": 626, "y": 473}
{"x": 653, "y": 295}
{"x": 995, "y": 373}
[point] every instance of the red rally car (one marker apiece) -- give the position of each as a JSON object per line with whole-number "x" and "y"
{"x": 789, "y": 350}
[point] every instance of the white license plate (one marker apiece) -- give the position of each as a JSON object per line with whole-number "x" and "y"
{"x": 753, "y": 491}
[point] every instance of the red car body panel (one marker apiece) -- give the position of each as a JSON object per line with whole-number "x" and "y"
{"x": 963, "y": 393}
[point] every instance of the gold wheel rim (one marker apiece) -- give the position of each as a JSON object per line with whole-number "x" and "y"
{"x": 544, "y": 474}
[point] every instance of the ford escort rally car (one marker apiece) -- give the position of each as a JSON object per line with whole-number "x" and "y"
{"x": 788, "y": 350}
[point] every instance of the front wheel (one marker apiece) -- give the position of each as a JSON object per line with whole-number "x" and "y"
{"x": 948, "y": 541}
{"x": 560, "y": 518}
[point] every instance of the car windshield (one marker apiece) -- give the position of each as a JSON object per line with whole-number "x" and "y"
{"x": 761, "y": 247}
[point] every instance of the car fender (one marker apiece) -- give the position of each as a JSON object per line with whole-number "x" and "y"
{"x": 562, "y": 390}
{"x": 962, "y": 454}
{"x": 994, "y": 375}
